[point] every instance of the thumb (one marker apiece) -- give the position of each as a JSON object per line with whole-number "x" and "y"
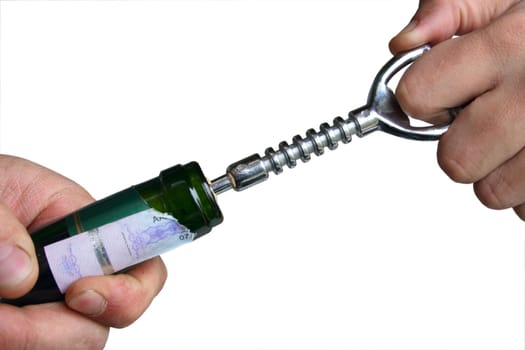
{"x": 438, "y": 20}
{"x": 18, "y": 265}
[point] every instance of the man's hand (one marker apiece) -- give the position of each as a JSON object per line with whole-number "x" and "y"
{"x": 31, "y": 196}
{"x": 484, "y": 68}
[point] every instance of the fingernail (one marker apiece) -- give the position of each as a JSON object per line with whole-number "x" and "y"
{"x": 89, "y": 303}
{"x": 409, "y": 27}
{"x": 15, "y": 266}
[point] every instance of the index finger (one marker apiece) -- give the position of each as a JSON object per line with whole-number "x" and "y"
{"x": 449, "y": 75}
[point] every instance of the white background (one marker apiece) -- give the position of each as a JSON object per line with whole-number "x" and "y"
{"x": 369, "y": 247}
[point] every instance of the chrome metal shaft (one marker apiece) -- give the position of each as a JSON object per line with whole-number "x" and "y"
{"x": 255, "y": 169}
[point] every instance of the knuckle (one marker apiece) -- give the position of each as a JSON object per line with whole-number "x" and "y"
{"x": 456, "y": 164}
{"x": 493, "y": 192}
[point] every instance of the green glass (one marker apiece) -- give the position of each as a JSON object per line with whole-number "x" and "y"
{"x": 181, "y": 191}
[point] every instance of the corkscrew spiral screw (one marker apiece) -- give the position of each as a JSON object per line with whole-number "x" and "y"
{"x": 254, "y": 169}
{"x": 381, "y": 112}
{"x": 315, "y": 142}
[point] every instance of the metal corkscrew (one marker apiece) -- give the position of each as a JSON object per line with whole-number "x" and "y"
{"x": 381, "y": 112}
{"x": 177, "y": 206}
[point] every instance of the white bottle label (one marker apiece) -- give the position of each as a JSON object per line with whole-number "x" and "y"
{"x": 114, "y": 246}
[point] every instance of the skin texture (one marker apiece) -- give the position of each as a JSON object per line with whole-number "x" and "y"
{"x": 481, "y": 68}
{"x": 31, "y": 196}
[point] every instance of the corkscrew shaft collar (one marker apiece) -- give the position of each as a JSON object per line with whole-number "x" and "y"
{"x": 381, "y": 112}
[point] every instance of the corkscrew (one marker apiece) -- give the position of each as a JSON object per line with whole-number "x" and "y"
{"x": 178, "y": 206}
{"x": 381, "y": 112}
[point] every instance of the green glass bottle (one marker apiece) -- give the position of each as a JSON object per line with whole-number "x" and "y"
{"x": 123, "y": 229}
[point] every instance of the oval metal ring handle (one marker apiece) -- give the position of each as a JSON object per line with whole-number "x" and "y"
{"x": 383, "y": 104}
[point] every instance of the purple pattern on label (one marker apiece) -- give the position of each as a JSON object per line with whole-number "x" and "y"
{"x": 143, "y": 241}
{"x": 115, "y": 246}
{"x": 69, "y": 263}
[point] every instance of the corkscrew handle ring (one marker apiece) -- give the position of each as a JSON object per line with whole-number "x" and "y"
{"x": 382, "y": 111}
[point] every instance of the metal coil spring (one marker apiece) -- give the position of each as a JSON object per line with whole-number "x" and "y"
{"x": 315, "y": 142}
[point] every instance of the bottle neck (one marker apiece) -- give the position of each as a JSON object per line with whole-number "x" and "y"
{"x": 183, "y": 192}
